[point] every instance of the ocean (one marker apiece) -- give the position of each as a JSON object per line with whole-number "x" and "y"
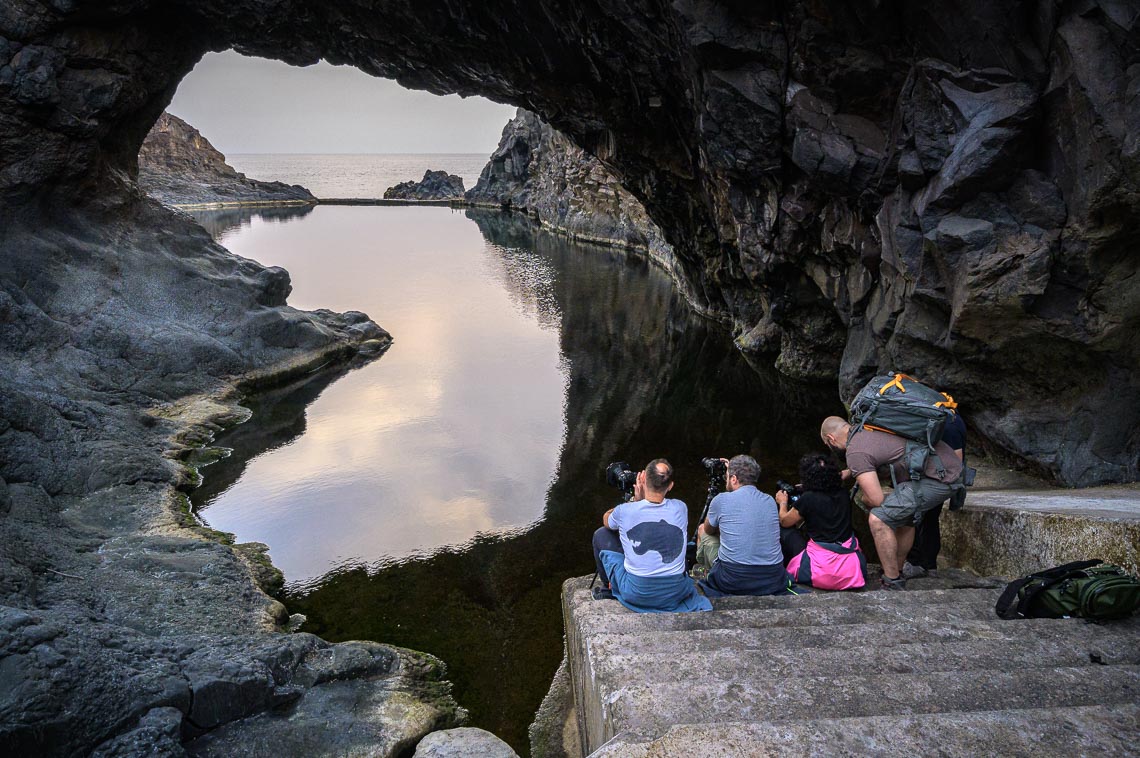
{"x": 364, "y": 175}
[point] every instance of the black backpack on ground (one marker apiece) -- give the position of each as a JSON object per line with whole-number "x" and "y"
{"x": 901, "y": 405}
{"x": 1089, "y": 589}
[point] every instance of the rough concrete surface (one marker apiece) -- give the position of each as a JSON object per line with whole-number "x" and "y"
{"x": 1013, "y": 533}
{"x": 850, "y": 673}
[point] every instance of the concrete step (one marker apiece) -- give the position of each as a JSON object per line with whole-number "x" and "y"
{"x": 614, "y": 669}
{"x": 656, "y": 706}
{"x": 848, "y": 636}
{"x": 1100, "y": 730}
{"x": 580, "y": 599}
{"x": 969, "y": 605}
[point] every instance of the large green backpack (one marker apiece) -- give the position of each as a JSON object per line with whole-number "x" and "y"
{"x": 1089, "y": 589}
{"x": 901, "y": 405}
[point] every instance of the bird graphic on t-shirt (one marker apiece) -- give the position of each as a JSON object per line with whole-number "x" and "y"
{"x": 667, "y": 539}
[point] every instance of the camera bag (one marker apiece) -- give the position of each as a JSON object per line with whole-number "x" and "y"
{"x": 1089, "y": 589}
{"x": 901, "y": 405}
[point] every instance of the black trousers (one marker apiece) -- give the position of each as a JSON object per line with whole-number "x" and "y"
{"x": 927, "y": 540}
{"x": 793, "y": 541}
{"x": 605, "y": 539}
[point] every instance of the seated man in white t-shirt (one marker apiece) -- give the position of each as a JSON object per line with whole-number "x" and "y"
{"x": 640, "y": 549}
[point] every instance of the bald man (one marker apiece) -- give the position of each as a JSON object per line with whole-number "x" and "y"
{"x": 892, "y": 517}
{"x": 640, "y": 548}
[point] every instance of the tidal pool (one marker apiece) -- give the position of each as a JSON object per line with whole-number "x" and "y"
{"x": 438, "y": 497}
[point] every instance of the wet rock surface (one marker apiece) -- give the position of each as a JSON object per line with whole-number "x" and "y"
{"x": 178, "y": 166}
{"x": 436, "y": 185}
{"x": 854, "y": 186}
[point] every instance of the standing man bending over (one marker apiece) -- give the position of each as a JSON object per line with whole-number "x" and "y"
{"x": 892, "y": 517}
{"x": 739, "y": 542}
{"x": 640, "y": 549}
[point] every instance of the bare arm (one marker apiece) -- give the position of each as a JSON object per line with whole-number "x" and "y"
{"x": 789, "y": 517}
{"x": 872, "y": 491}
{"x": 606, "y": 519}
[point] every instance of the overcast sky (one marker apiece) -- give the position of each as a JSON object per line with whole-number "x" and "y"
{"x": 252, "y": 105}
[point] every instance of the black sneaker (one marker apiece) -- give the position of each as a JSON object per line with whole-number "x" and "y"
{"x": 603, "y": 593}
{"x": 892, "y": 584}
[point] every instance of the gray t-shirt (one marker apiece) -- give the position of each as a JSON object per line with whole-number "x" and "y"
{"x": 652, "y": 536}
{"x": 749, "y": 524}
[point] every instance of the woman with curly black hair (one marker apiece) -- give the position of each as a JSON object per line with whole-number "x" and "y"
{"x": 830, "y": 557}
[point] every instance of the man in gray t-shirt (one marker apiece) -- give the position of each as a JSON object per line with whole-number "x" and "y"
{"x": 739, "y": 542}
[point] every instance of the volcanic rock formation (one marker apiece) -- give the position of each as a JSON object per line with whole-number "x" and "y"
{"x": 858, "y": 186}
{"x": 178, "y": 166}
{"x": 538, "y": 170}
{"x": 436, "y": 185}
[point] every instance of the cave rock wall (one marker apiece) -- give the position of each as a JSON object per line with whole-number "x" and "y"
{"x": 946, "y": 188}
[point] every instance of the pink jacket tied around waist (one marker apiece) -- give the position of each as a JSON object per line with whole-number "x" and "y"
{"x": 830, "y": 565}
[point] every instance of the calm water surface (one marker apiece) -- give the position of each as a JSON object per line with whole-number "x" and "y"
{"x": 438, "y": 497}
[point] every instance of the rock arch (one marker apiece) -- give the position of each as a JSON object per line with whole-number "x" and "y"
{"x": 856, "y": 186}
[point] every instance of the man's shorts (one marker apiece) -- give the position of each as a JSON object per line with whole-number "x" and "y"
{"x": 906, "y": 503}
{"x": 708, "y": 548}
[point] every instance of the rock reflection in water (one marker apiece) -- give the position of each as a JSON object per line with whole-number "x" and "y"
{"x": 646, "y": 378}
{"x": 220, "y": 223}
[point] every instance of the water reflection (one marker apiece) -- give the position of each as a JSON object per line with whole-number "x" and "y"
{"x": 220, "y": 223}
{"x": 637, "y": 376}
{"x": 455, "y": 432}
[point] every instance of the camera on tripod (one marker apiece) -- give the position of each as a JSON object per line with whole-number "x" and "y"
{"x": 715, "y": 466}
{"x": 619, "y": 474}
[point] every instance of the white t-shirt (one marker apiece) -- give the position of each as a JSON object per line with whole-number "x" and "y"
{"x": 652, "y": 536}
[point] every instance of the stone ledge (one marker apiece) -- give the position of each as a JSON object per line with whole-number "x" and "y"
{"x": 1016, "y": 533}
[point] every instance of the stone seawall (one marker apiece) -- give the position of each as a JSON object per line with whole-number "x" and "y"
{"x": 1013, "y": 533}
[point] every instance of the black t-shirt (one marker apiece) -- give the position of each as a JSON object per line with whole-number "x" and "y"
{"x": 826, "y": 515}
{"x": 954, "y": 434}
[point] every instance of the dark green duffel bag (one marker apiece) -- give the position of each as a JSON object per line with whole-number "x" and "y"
{"x": 1089, "y": 589}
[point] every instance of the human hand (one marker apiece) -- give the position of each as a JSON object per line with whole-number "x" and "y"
{"x": 639, "y": 486}
{"x": 782, "y": 499}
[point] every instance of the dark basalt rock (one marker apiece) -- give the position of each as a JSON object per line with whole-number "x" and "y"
{"x": 537, "y": 170}
{"x": 798, "y": 159}
{"x": 436, "y": 185}
{"x": 178, "y": 166}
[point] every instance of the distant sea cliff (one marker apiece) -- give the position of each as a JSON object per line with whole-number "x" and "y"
{"x": 179, "y": 167}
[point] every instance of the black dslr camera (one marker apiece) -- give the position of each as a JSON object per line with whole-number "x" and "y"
{"x": 715, "y": 466}
{"x": 793, "y": 491}
{"x": 619, "y": 474}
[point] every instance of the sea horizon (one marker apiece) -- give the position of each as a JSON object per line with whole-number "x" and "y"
{"x": 355, "y": 175}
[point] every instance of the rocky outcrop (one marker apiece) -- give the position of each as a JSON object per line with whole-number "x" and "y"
{"x": 179, "y": 167}
{"x": 436, "y": 185}
{"x": 124, "y": 624}
{"x": 854, "y": 186}
{"x": 537, "y": 170}
{"x": 463, "y": 743}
